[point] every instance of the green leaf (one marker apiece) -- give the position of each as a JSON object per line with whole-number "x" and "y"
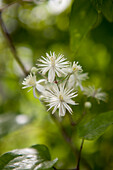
{"x": 107, "y": 9}
{"x": 33, "y": 158}
{"x": 95, "y": 127}
{"x": 83, "y": 17}
{"x": 97, "y": 4}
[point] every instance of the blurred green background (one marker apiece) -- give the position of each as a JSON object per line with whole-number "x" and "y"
{"x": 42, "y": 26}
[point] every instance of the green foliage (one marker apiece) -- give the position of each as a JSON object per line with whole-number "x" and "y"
{"x": 83, "y": 17}
{"x": 35, "y": 157}
{"x": 35, "y": 30}
{"x": 95, "y": 127}
{"x": 97, "y": 4}
{"x": 107, "y": 9}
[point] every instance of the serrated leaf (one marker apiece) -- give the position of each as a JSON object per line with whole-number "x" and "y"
{"x": 95, "y": 127}
{"x": 107, "y": 9}
{"x": 33, "y": 158}
{"x": 83, "y": 17}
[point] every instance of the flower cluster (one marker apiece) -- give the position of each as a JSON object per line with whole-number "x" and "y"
{"x": 60, "y": 84}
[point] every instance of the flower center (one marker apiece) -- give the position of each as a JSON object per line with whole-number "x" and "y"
{"x": 31, "y": 81}
{"x": 60, "y": 97}
{"x": 74, "y": 68}
{"x": 52, "y": 59}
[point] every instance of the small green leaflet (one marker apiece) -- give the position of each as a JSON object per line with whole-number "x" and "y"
{"x": 33, "y": 158}
{"x": 95, "y": 127}
{"x": 83, "y": 17}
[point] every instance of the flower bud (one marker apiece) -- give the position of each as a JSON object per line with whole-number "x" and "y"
{"x": 87, "y": 105}
{"x": 41, "y": 98}
{"x": 34, "y": 70}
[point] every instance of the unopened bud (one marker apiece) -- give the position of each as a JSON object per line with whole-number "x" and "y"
{"x": 41, "y": 98}
{"x": 87, "y": 105}
{"x": 34, "y": 70}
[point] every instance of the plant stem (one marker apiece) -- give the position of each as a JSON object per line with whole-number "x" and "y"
{"x": 68, "y": 140}
{"x": 79, "y": 156}
{"x": 72, "y": 122}
{"x": 65, "y": 134}
{"x": 11, "y": 45}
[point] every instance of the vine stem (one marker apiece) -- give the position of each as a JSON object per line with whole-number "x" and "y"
{"x": 79, "y": 156}
{"x": 11, "y": 45}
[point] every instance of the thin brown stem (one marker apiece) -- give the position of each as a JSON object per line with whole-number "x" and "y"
{"x": 72, "y": 122}
{"x": 11, "y": 45}
{"x": 79, "y": 156}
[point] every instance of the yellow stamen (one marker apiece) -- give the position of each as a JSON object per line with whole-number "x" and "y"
{"x": 61, "y": 97}
{"x": 52, "y": 60}
{"x": 74, "y": 68}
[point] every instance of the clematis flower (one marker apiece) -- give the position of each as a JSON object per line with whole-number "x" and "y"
{"x": 53, "y": 65}
{"x": 90, "y": 91}
{"x": 76, "y": 67}
{"x": 76, "y": 79}
{"x": 30, "y": 81}
{"x": 59, "y": 97}
{"x": 76, "y": 76}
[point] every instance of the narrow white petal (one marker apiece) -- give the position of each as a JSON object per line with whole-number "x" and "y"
{"x": 49, "y": 108}
{"x": 40, "y": 88}
{"x": 62, "y": 110}
{"x": 41, "y": 80}
{"x": 25, "y": 87}
{"x": 44, "y": 70}
{"x": 51, "y": 75}
{"x": 45, "y": 59}
{"x": 68, "y": 107}
{"x": 54, "y": 110}
{"x": 70, "y": 101}
{"x": 29, "y": 90}
{"x": 34, "y": 93}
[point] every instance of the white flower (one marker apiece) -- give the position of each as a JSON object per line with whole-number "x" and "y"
{"x": 59, "y": 97}
{"x": 52, "y": 65}
{"x": 30, "y": 81}
{"x": 90, "y": 91}
{"x": 75, "y": 80}
{"x": 76, "y": 67}
{"x": 75, "y": 75}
